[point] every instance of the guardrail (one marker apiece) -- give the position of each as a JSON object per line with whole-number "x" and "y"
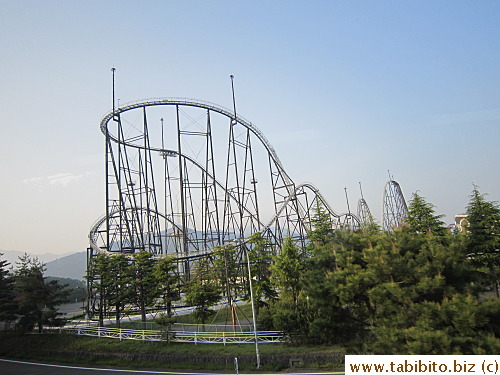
{"x": 177, "y": 335}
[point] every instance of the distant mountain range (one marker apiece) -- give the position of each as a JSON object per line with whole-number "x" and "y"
{"x": 71, "y": 265}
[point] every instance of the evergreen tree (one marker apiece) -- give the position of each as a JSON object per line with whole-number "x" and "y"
{"x": 121, "y": 278}
{"x": 289, "y": 311}
{"x": 321, "y": 222}
{"x": 458, "y": 324}
{"x": 334, "y": 320}
{"x": 8, "y": 306}
{"x": 374, "y": 291}
{"x": 143, "y": 282}
{"x": 286, "y": 270}
{"x": 99, "y": 271}
{"x": 38, "y": 299}
{"x": 226, "y": 270}
{"x": 202, "y": 291}
{"x": 168, "y": 282}
{"x": 112, "y": 280}
{"x": 422, "y": 218}
{"x": 483, "y": 234}
{"x": 260, "y": 268}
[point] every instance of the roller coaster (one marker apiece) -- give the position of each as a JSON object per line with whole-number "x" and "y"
{"x": 185, "y": 176}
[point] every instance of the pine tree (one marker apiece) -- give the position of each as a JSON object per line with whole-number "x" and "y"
{"x": 38, "y": 299}
{"x": 168, "y": 282}
{"x": 422, "y": 218}
{"x": 112, "y": 280}
{"x": 286, "y": 270}
{"x": 289, "y": 311}
{"x": 483, "y": 234}
{"x": 99, "y": 270}
{"x": 143, "y": 281}
{"x": 322, "y": 231}
{"x": 226, "y": 270}
{"x": 260, "y": 268}
{"x": 121, "y": 278}
{"x": 8, "y": 306}
{"x": 374, "y": 291}
{"x": 202, "y": 291}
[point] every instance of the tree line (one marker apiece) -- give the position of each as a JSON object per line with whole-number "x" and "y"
{"x": 28, "y": 299}
{"x": 421, "y": 289}
{"x": 140, "y": 282}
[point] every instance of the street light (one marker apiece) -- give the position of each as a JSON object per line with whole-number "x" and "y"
{"x": 253, "y": 308}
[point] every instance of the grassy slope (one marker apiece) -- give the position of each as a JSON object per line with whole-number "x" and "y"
{"x": 42, "y": 347}
{"x": 28, "y": 347}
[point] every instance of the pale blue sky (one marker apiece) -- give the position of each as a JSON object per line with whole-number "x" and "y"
{"x": 344, "y": 90}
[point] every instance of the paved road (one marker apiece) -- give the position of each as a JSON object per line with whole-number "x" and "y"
{"x": 10, "y": 367}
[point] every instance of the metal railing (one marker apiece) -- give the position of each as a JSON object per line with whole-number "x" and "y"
{"x": 177, "y": 335}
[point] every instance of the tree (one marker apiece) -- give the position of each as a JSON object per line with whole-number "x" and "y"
{"x": 321, "y": 222}
{"x": 458, "y": 324}
{"x": 119, "y": 283}
{"x": 112, "y": 279}
{"x": 38, "y": 299}
{"x": 483, "y": 234}
{"x": 225, "y": 270}
{"x": 422, "y": 218}
{"x": 289, "y": 311}
{"x": 143, "y": 281}
{"x": 260, "y": 269}
{"x": 202, "y": 291}
{"x": 333, "y": 319}
{"x": 168, "y": 282}
{"x": 381, "y": 292}
{"x": 99, "y": 271}
{"x": 286, "y": 270}
{"x": 8, "y": 306}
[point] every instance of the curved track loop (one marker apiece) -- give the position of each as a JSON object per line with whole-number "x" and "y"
{"x": 395, "y": 209}
{"x": 199, "y": 104}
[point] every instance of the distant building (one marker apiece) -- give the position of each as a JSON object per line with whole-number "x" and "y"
{"x": 461, "y": 222}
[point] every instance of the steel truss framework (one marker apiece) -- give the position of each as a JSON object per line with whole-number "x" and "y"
{"x": 189, "y": 181}
{"x": 395, "y": 209}
{"x": 185, "y": 176}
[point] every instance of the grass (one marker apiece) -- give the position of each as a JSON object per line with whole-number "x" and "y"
{"x": 28, "y": 347}
{"x": 65, "y": 348}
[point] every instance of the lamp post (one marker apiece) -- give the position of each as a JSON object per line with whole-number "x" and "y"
{"x": 253, "y": 308}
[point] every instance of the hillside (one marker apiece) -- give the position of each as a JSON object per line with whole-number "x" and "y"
{"x": 71, "y": 265}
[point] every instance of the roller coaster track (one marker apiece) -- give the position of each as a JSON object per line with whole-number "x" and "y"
{"x": 199, "y": 104}
{"x": 291, "y": 217}
{"x": 207, "y": 201}
{"x": 206, "y": 178}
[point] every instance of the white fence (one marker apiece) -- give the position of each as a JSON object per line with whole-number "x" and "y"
{"x": 177, "y": 335}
